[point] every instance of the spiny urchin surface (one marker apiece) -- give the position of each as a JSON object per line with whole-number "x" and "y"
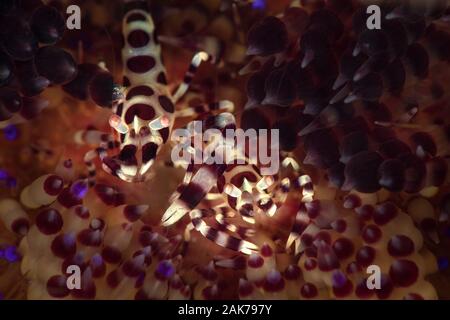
{"x": 364, "y": 150}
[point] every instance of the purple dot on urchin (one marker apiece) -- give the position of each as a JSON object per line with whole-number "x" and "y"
{"x": 11, "y": 132}
{"x": 443, "y": 263}
{"x": 96, "y": 260}
{"x": 338, "y": 279}
{"x": 165, "y": 269}
{"x": 2, "y": 296}
{"x": 3, "y": 174}
{"x": 259, "y": 4}
{"x": 79, "y": 189}
{"x": 11, "y": 254}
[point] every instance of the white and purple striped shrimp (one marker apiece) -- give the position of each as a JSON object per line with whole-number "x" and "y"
{"x": 144, "y": 111}
{"x": 240, "y": 193}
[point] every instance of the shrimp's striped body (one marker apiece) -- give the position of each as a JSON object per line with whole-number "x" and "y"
{"x": 144, "y": 117}
{"x": 144, "y": 112}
